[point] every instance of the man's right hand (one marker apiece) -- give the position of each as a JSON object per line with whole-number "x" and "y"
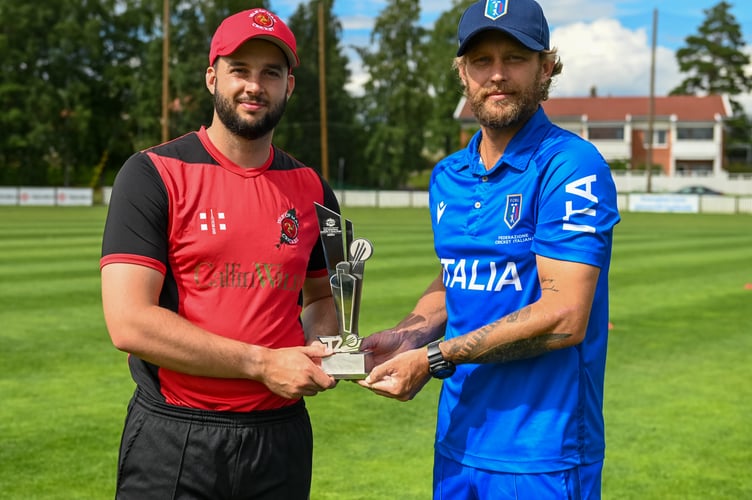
{"x": 294, "y": 372}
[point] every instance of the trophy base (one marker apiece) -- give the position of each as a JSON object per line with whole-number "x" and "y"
{"x": 345, "y": 365}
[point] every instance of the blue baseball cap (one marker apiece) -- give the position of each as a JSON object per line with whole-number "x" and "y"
{"x": 521, "y": 19}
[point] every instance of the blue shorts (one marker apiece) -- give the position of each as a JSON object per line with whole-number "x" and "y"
{"x": 454, "y": 481}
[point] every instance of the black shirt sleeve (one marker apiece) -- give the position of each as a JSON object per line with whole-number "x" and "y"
{"x": 137, "y": 216}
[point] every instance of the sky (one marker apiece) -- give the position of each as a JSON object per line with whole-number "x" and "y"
{"x": 603, "y": 44}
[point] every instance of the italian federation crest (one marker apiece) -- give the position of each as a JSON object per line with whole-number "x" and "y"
{"x": 513, "y": 210}
{"x": 496, "y": 8}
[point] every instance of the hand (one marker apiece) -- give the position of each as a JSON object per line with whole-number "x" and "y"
{"x": 401, "y": 377}
{"x": 383, "y": 346}
{"x": 295, "y": 372}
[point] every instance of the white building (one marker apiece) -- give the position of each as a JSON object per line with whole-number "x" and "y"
{"x": 688, "y": 131}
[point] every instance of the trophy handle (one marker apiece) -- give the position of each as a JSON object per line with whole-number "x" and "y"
{"x": 345, "y": 298}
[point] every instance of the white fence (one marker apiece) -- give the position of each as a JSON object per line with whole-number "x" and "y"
{"x": 686, "y": 203}
{"x": 637, "y": 182}
{"x": 657, "y": 201}
{"x": 46, "y": 196}
{"x": 627, "y": 202}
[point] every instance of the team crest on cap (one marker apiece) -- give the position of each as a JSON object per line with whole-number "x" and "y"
{"x": 289, "y": 226}
{"x": 514, "y": 210}
{"x": 263, "y": 19}
{"x": 496, "y": 8}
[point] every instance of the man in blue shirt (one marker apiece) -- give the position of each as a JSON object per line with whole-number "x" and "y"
{"x": 522, "y": 221}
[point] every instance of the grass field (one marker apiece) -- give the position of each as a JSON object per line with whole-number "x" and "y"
{"x": 678, "y": 394}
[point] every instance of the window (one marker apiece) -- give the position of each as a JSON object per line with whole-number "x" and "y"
{"x": 694, "y": 133}
{"x": 606, "y": 133}
{"x": 659, "y": 138}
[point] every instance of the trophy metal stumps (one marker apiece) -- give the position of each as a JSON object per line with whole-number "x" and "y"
{"x": 345, "y": 261}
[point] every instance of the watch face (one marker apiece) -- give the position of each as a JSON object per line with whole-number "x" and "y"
{"x": 444, "y": 372}
{"x": 442, "y": 369}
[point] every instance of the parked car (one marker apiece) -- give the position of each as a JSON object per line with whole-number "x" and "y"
{"x": 698, "y": 190}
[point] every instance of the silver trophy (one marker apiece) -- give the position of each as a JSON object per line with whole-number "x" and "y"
{"x": 345, "y": 261}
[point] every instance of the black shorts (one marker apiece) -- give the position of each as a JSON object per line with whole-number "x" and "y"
{"x": 168, "y": 452}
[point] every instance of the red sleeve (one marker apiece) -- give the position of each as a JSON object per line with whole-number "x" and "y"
{"x": 126, "y": 258}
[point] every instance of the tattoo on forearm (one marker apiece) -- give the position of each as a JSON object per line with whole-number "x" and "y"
{"x": 520, "y": 349}
{"x": 549, "y": 284}
{"x": 475, "y": 349}
{"x": 519, "y": 316}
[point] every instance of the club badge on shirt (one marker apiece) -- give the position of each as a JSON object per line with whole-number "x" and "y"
{"x": 289, "y": 227}
{"x": 513, "y": 210}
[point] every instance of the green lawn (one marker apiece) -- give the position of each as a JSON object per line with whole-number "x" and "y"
{"x": 678, "y": 395}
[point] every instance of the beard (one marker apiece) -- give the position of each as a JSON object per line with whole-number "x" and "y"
{"x": 511, "y": 112}
{"x": 250, "y": 129}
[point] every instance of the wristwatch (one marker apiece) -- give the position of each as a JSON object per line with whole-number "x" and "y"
{"x": 437, "y": 365}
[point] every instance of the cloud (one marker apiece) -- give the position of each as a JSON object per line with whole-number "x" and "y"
{"x": 596, "y": 48}
{"x": 562, "y": 12}
{"x": 613, "y": 59}
{"x": 357, "y": 22}
{"x": 434, "y": 8}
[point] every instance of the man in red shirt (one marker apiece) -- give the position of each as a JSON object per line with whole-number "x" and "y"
{"x": 215, "y": 283}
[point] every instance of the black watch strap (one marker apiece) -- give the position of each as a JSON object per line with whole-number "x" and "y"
{"x": 437, "y": 365}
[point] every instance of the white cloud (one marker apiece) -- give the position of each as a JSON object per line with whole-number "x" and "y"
{"x": 434, "y": 8}
{"x": 616, "y": 61}
{"x": 357, "y": 81}
{"x": 597, "y": 50}
{"x": 357, "y": 22}
{"x": 562, "y": 12}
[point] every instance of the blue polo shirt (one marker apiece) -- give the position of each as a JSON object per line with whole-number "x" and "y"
{"x": 551, "y": 194}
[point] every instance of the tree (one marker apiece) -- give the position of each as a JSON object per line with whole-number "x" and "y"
{"x": 715, "y": 61}
{"x": 396, "y": 101}
{"x": 443, "y": 130}
{"x": 80, "y": 82}
{"x": 192, "y": 25}
{"x": 60, "y": 109}
{"x": 299, "y": 132}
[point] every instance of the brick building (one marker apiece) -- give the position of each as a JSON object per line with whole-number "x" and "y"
{"x": 688, "y": 131}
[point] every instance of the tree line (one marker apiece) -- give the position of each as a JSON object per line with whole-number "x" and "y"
{"x": 81, "y": 86}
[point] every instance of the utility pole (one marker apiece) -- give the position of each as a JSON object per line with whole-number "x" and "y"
{"x": 165, "y": 70}
{"x": 651, "y": 112}
{"x": 322, "y": 95}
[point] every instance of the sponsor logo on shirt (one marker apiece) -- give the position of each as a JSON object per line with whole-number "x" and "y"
{"x": 212, "y": 221}
{"x": 440, "y": 210}
{"x": 256, "y": 275}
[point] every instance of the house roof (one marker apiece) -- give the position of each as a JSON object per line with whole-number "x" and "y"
{"x": 686, "y": 108}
